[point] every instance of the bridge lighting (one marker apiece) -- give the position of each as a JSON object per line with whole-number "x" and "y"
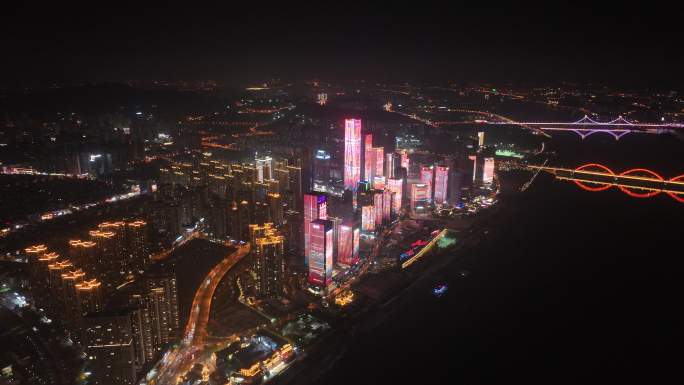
{"x": 625, "y": 181}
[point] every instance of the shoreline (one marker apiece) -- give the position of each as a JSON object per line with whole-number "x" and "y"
{"x": 332, "y": 346}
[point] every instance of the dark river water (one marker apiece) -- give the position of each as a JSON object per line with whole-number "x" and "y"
{"x": 568, "y": 286}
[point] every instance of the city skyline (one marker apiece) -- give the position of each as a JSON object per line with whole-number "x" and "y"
{"x": 430, "y": 194}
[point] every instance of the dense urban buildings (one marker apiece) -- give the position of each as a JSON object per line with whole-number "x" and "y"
{"x": 298, "y": 230}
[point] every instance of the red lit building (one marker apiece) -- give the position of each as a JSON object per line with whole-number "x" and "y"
{"x": 321, "y": 257}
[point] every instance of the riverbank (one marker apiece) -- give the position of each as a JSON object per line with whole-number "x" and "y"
{"x": 359, "y": 323}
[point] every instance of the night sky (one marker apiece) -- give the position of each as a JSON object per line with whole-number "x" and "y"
{"x": 626, "y": 46}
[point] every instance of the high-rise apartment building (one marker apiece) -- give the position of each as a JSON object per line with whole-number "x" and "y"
{"x": 138, "y": 246}
{"x": 108, "y": 341}
{"x": 269, "y": 264}
{"x": 264, "y": 166}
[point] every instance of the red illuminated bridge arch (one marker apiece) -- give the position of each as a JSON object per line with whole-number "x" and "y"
{"x": 641, "y": 174}
{"x": 593, "y": 167}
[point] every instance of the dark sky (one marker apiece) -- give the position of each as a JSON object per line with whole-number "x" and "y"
{"x": 623, "y": 45}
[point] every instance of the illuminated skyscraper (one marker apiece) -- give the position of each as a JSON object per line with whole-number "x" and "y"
{"x": 71, "y": 310}
{"x": 368, "y": 218}
{"x": 374, "y": 160}
{"x": 88, "y": 297}
{"x": 56, "y": 299}
{"x": 314, "y": 208}
{"x": 387, "y": 206}
{"x": 477, "y": 171}
{"x": 396, "y": 186}
{"x": 404, "y": 160}
{"x": 480, "y": 139}
{"x": 419, "y": 196}
{"x": 321, "y": 260}
{"x": 137, "y": 246}
{"x": 441, "y": 184}
{"x": 109, "y": 266}
{"x": 379, "y": 161}
{"x": 347, "y": 249}
{"x": 38, "y": 261}
{"x": 377, "y": 203}
{"x": 156, "y": 297}
{"x": 368, "y": 158}
{"x": 352, "y": 153}
{"x": 84, "y": 255}
{"x": 264, "y": 166}
{"x": 321, "y": 167}
{"x": 426, "y": 176}
{"x": 389, "y": 164}
{"x": 269, "y": 265}
{"x": 488, "y": 171}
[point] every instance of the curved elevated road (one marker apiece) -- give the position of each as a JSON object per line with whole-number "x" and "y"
{"x": 179, "y": 360}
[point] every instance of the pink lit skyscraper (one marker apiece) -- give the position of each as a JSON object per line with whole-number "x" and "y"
{"x": 368, "y": 218}
{"x": 396, "y": 186}
{"x": 426, "y": 179}
{"x": 321, "y": 260}
{"x": 488, "y": 171}
{"x": 369, "y": 159}
{"x": 379, "y": 161}
{"x": 404, "y": 162}
{"x": 347, "y": 249}
{"x": 377, "y": 203}
{"x": 387, "y": 206}
{"x": 441, "y": 183}
{"x": 315, "y": 207}
{"x": 352, "y": 153}
{"x": 389, "y": 165}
